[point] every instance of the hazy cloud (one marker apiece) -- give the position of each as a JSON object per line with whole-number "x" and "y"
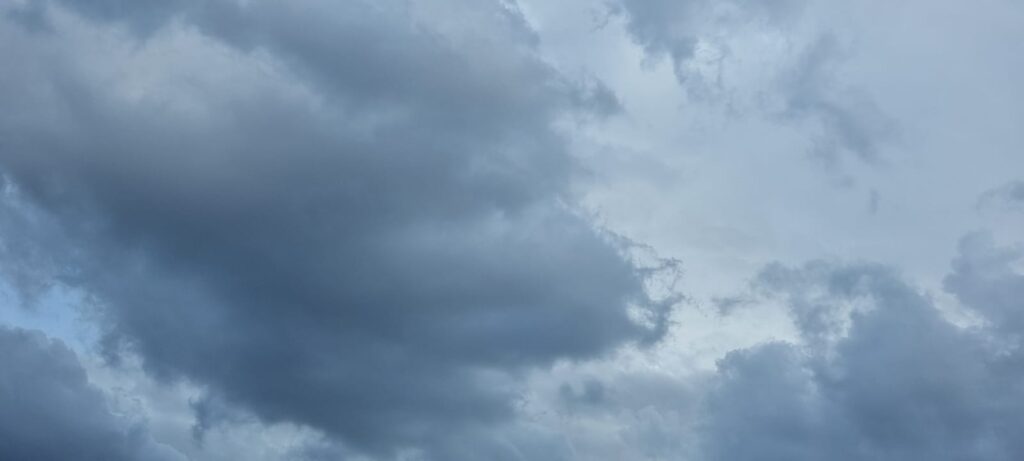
{"x": 1007, "y": 197}
{"x": 758, "y": 58}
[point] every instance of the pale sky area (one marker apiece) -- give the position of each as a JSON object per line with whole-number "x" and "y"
{"x": 461, "y": 230}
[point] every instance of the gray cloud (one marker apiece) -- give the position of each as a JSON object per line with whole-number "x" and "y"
{"x": 372, "y": 238}
{"x": 876, "y": 370}
{"x": 675, "y": 27}
{"x": 901, "y": 382}
{"x": 1007, "y": 197}
{"x": 351, "y": 230}
{"x": 801, "y": 88}
{"x": 50, "y": 411}
{"x": 27, "y": 264}
{"x": 845, "y": 122}
{"x": 985, "y": 280}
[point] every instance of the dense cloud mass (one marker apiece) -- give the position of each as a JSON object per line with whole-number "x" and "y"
{"x": 383, "y": 231}
{"x": 880, "y": 373}
{"x": 876, "y": 370}
{"x": 388, "y": 230}
{"x": 50, "y": 411}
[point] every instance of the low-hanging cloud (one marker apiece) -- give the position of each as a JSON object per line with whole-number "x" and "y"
{"x": 356, "y": 230}
{"x": 50, "y": 411}
{"x": 357, "y": 220}
{"x": 880, "y": 372}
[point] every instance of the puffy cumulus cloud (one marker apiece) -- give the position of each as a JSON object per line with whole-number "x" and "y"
{"x": 772, "y": 59}
{"x": 50, "y": 411}
{"x": 880, "y": 372}
{"x": 351, "y": 216}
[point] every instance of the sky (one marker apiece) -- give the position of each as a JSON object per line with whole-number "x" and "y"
{"x": 511, "y": 230}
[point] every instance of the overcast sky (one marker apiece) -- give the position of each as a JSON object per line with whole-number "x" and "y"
{"x": 511, "y": 230}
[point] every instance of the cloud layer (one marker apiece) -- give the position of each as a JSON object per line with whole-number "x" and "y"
{"x": 510, "y": 230}
{"x": 368, "y": 210}
{"x": 50, "y": 411}
{"x": 718, "y": 53}
{"x": 880, "y": 372}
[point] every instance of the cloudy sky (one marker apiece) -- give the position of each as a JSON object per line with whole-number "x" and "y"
{"x": 511, "y": 230}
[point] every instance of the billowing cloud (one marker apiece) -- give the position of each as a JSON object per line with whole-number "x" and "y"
{"x": 879, "y": 373}
{"x": 875, "y": 370}
{"x": 351, "y": 216}
{"x": 50, "y": 411}
{"x": 400, "y": 231}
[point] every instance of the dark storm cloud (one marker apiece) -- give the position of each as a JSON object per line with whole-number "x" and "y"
{"x": 881, "y": 374}
{"x": 50, "y": 411}
{"x": 28, "y": 266}
{"x": 377, "y": 257}
{"x": 842, "y": 121}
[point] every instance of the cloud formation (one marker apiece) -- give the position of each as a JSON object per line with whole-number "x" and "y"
{"x": 880, "y": 372}
{"x": 50, "y": 411}
{"x": 1007, "y": 197}
{"x": 355, "y": 219}
{"x": 396, "y": 231}
{"x": 768, "y": 59}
